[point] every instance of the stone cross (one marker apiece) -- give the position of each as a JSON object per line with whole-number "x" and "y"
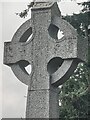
{"x": 53, "y": 60}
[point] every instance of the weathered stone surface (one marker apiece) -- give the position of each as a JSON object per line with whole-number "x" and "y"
{"x": 53, "y": 60}
{"x": 43, "y": 104}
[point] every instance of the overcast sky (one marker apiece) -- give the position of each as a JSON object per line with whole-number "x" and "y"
{"x": 14, "y": 102}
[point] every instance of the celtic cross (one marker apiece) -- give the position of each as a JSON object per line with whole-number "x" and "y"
{"x": 53, "y": 60}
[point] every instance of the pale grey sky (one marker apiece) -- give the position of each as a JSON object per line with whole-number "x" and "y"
{"x": 14, "y": 102}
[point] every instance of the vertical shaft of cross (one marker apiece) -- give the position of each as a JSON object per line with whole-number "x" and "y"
{"x": 42, "y": 101}
{"x": 42, "y": 104}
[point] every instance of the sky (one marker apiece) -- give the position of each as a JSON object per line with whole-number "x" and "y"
{"x": 13, "y": 92}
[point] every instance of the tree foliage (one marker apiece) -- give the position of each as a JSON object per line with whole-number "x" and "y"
{"x": 24, "y": 13}
{"x": 73, "y": 96}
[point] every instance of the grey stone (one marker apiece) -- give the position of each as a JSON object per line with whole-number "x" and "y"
{"x": 43, "y": 104}
{"x": 53, "y": 60}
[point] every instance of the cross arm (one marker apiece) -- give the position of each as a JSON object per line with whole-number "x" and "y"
{"x": 13, "y": 52}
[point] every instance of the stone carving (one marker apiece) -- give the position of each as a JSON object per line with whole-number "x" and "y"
{"x": 53, "y": 60}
